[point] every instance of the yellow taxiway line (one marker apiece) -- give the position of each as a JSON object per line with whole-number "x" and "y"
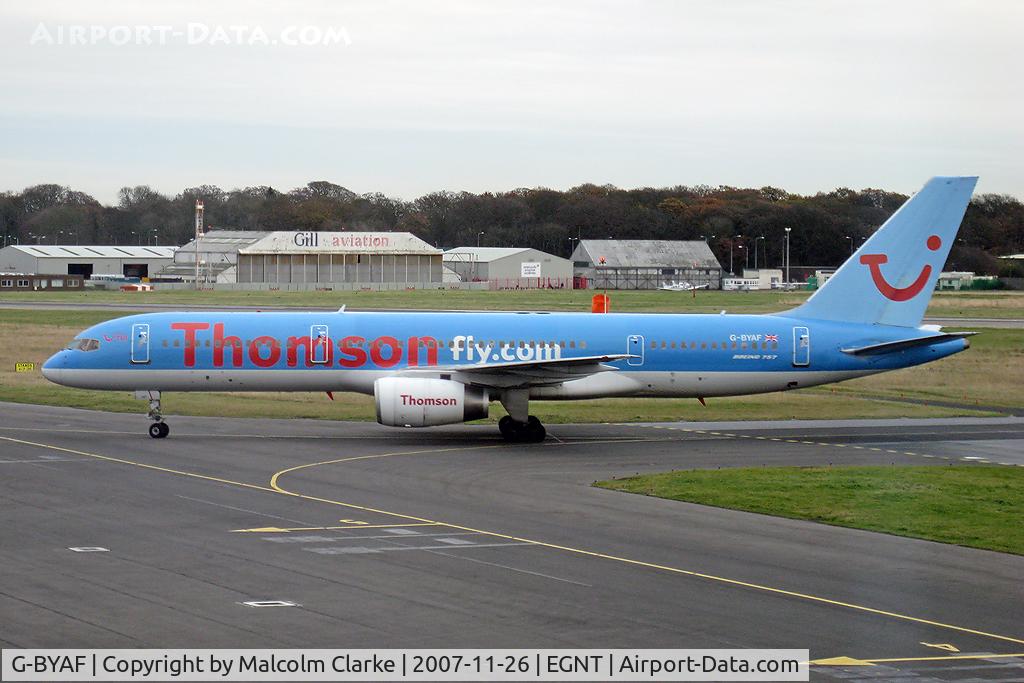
{"x": 279, "y": 530}
{"x": 857, "y": 661}
{"x": 275, "y": 487}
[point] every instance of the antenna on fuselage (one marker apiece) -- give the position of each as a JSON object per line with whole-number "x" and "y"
{"x": 342, "y": 309}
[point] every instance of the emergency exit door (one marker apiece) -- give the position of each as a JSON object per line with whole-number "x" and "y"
{"x": 801, "y": 346}
{"x": 140, "y": 343}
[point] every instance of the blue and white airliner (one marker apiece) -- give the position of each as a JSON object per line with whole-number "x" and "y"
{"x": 426, "y": 369}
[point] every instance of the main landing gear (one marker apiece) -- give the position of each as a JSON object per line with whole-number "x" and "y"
{"x": 159, "y": 428}
{"x": 519, "y": 426}
{"x": 531, "y": 431}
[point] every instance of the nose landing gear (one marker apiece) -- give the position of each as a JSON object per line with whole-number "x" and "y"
{"x": 159, "y": 428}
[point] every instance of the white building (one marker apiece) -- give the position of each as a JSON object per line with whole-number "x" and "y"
{"x": 954, "y": 280}
{"x": 85, "y": 260}
{"x": 510, "y": 267}
{"x": 766, "y": 278}
{"x": 352, "y": 258}
{"x": 745, "y": 284}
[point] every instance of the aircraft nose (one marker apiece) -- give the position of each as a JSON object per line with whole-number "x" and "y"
{"x": 53, "y": 368}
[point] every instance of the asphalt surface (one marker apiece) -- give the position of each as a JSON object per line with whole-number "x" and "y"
{"x": 1007, "y": 323}
{"x": 451, "y": 538}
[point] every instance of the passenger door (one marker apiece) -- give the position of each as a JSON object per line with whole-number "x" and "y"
{"x": 140, "y": 343}
{"x": 319, "y": 344}
{"x": 801, "y": 346}
{"x": 635, "y": 347}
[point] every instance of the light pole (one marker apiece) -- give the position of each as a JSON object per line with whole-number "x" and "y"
{"x": 478, "y": 236}
{"x": 746, "y": 256}
{"x": 759, "y": 237}
{"x": 787, "y": 255}
{"x": 851, "y": 244}
{"x": 730, "y": 258}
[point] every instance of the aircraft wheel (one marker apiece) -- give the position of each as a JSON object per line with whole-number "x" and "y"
{"x": 534, "y": 431}
{"x": 506, "y": 425}
{"x": 159, "y": 430}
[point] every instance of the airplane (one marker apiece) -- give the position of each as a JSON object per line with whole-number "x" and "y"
{"x": 437, "y": 368}
{"x": 682, "y": 287}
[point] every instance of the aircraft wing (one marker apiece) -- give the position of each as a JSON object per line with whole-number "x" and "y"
{"x": 509, "y": 374}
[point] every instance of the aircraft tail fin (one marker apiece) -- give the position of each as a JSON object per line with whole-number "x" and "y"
{"x": 890, "y": 279}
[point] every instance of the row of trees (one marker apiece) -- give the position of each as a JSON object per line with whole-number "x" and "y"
{"x": 825, "y": 227}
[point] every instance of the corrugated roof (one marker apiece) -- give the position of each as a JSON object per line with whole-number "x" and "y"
{"x": 647, "y": 253}
{"x": 340, "y": 243}
{"x": 225, "y": 240}
{"x": 93, "y": 251}
{"x": 483, "y": 254}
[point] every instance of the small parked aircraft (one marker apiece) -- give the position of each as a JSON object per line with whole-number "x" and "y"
{"x": 682, "y": 287}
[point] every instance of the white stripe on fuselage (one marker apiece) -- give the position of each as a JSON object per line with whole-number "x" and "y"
{"x": 610, "y": 383}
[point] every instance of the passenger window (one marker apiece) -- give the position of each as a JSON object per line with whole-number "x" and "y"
{"x": 714, "y": 345}
{"x": 673, "y": 345}
{"x": 165, "y": 343}
{"x": 572, "y": 344}
{"x": 703, "y": 345}
{"x": 177, "y": 343}
{"x": 583, "y": 344}
{"x": 693, "y": 345}
{"x": 654, "y": 344}
{"x": 775, "y": 345}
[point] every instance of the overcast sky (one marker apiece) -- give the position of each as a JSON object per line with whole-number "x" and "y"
{"x": 411, "y": 97}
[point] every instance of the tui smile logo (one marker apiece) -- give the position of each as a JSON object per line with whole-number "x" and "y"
{"x": 874, "y": 262}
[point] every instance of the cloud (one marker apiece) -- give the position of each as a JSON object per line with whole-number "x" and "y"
{"x": 806, "y": 95}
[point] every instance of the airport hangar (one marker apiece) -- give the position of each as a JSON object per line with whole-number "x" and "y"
{"x": 510, "y": 267}
{"x": 87, "y": 261}
{"x": 646, "y": 264}
{"x": 310, "y": 259}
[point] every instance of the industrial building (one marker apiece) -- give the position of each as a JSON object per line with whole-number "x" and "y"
{"x": 217, "y": 253}
{"x": 353, "y": 258}
{"x": 762, "y": 278}
{"x": 510, "y": 267}
{"x": 22, "y": 282}
{"x": 54, "y": 259}
{"x": 645, "y": 264}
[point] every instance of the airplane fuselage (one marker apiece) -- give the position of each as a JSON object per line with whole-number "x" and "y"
{"x": 689, "y": 355}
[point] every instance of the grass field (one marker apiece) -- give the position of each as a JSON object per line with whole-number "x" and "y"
{"x": 972, "y": 305}
{"x": 991, "y": 373}
{"x": 970, "y": 505}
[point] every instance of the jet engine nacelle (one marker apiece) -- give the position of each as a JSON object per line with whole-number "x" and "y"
{"x": 421, "y": 402}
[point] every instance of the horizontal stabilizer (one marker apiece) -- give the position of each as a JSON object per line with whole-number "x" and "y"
{"x": 889, "y": 347}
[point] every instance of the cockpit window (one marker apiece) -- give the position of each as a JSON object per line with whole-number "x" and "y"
{"x": 84, "y": 345}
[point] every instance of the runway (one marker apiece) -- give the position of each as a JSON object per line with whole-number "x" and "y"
{"x": 449, "y": 537}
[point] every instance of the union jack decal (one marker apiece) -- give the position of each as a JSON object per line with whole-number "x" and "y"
{"x": 771, "y": 337}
